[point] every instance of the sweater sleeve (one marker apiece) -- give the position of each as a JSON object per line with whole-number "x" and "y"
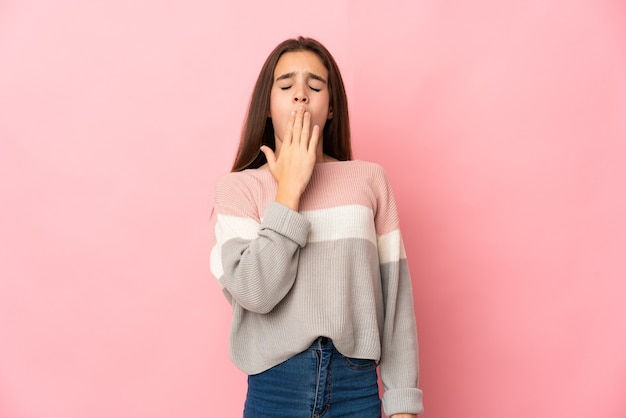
{"x": 254, "y": 259}
{"x": 399, "y": 367}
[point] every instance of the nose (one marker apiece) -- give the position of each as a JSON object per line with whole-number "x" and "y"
{"x": 300, "y": 97}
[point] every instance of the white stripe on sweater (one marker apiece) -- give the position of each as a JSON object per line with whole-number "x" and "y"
{"x": 342, "y": 222}
{"x": 391, "y": 247}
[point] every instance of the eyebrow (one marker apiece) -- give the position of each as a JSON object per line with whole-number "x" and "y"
{"x": 309, "y": 75}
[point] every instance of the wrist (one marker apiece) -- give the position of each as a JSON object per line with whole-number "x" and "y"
{"x": 288, "y": 198}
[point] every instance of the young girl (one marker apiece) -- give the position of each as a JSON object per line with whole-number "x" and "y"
{"x": 309, "y": 254}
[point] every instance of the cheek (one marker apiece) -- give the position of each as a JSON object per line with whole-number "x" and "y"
{"x": 320, "y": 116}
{"x": 278, "y": 107}
{"x": 279, "y": 122}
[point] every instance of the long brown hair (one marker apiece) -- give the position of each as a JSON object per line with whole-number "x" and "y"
{"x": 258, "y": 129}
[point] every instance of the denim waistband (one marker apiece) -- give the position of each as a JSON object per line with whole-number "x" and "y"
{"x": 322, "y": 343}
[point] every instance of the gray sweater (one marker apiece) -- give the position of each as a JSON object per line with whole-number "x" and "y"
{"x": 337, "y": 268}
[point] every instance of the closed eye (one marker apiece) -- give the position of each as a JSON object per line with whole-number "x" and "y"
{"x": 285, "y": 88}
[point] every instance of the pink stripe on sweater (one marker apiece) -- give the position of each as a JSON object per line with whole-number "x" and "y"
{"x": 333, "y": 184}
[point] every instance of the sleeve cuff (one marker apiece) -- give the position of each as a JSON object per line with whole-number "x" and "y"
{"x": 407, "y": 401}
{"x": 291, "y": 224}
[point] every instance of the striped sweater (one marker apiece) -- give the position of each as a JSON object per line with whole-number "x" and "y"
{"x": 337, "y": 268}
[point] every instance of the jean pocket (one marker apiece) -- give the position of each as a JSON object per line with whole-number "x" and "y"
{"x": 359, "y": 363}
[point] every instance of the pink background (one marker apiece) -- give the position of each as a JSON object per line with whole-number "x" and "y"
{"x": 502, "y": 126}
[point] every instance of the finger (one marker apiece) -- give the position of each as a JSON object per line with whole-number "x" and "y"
{"x": 289, "y": 129}
{"x": 306, "y": 126}
{"x": 297, "y": 126}
{"x": 315, "y": 137}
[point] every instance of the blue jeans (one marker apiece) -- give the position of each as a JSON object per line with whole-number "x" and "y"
{"x": 319, "y": 382}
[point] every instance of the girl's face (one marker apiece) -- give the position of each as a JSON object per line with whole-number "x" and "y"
{"x": 300, "y": 81}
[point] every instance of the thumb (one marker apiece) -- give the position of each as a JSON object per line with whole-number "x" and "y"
{"x": 269, "y": 155}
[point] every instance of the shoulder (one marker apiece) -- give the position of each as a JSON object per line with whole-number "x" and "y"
{"x": 359, "y": 168}
{"x": 372, "y": 172}
{"x": 370, "y": 175}
{"x": 241, "y": 186}
{"x": 239, "y": 180}
{"x": 362, "y": 165}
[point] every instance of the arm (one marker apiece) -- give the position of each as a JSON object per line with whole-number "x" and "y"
{"x": 256, "y": 263}
{"x": 399, "y": 358}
